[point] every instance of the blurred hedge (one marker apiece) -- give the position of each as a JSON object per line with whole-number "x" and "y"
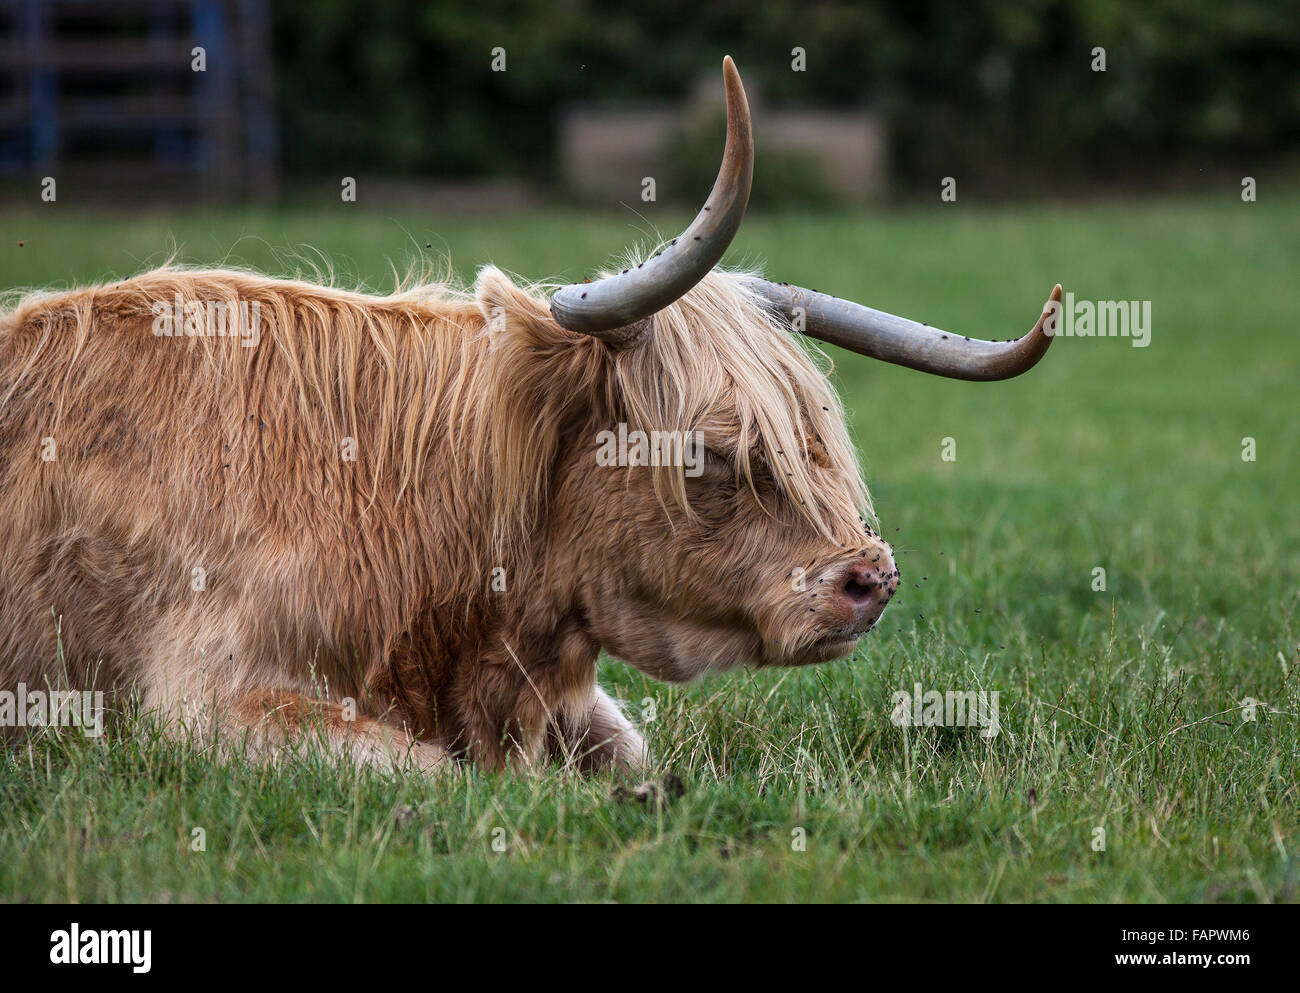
{"x": 999, "y": 91}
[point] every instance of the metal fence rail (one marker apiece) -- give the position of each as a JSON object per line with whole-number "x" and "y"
{"x": 119, "y": 94}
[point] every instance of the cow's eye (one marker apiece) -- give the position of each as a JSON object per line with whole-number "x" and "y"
{"x": 716, "y": 467}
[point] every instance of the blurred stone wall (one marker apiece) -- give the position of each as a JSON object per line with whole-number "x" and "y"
{"x": 605, "y": 152}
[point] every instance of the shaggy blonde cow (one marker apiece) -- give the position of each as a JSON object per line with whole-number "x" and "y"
{"x": 332, "y": 502}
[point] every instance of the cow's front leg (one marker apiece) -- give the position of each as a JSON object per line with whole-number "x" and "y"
{"x": 595, "y": 735}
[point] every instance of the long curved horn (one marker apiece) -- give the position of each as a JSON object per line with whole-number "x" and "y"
{"x": 615, "y": 302}
{"x": 917, "y": 346}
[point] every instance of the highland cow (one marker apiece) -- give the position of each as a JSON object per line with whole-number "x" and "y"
{"x": 385, "y": 518}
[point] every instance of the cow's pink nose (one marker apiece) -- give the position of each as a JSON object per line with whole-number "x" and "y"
{"x": 867, "y": 586}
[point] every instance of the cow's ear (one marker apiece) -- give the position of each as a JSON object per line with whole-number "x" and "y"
{"x": 504, "y": 305}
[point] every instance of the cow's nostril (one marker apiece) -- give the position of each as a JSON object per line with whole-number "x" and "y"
{"x": 859, "y": 592}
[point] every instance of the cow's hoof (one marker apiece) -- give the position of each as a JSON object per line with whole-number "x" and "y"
{"x": 658, "y": 792}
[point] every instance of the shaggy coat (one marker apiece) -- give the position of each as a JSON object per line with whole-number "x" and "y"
{"x": 382, "y": 517}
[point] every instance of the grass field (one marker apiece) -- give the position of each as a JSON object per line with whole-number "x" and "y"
{"x": 1120, "y": 709}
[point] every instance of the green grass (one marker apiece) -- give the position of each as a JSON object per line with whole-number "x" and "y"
{"x": 1118, "y": 708}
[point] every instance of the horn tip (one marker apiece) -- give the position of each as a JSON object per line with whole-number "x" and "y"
{"x": 730, "y": 74}
{"x": 738, "y": 124}
{"x": 1048, "y": 308}
{"x": 1040, "y": 328}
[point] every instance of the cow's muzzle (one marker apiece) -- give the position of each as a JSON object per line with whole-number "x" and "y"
{"x": 865, "y": 589}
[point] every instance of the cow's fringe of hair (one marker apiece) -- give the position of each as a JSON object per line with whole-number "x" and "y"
{"x": 717, "y": 349}
{"x": 720, "y": 348}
